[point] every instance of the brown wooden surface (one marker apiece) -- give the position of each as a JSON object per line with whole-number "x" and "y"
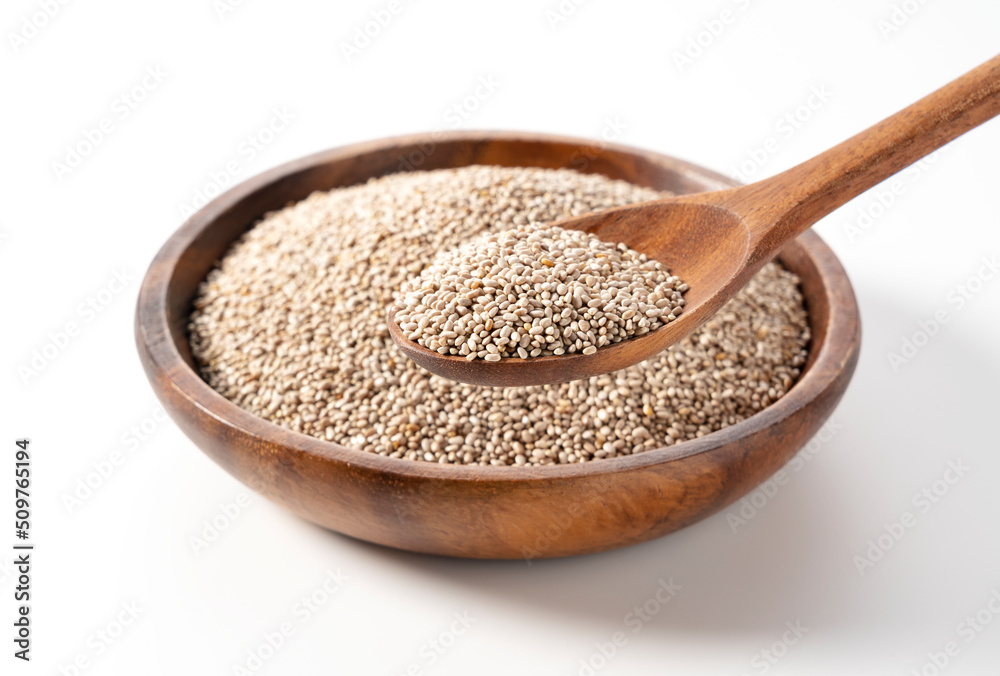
{"x": 482, "y": 512}
{"x": 716, "y": 241}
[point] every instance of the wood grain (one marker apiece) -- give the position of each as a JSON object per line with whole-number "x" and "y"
{"x": 491, "y": 512}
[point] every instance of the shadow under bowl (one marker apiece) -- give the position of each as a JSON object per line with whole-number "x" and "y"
{"x": 483, "y": 512}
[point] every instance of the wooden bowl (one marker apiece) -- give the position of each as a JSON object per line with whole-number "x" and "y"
{"x": 482, "y": 512}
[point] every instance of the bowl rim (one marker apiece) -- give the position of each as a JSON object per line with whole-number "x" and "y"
{"x": 164, "y": 363}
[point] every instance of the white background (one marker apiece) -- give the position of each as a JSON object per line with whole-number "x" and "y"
{"x": 66, "y": 235}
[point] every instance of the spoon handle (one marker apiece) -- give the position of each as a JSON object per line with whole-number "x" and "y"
{"x": 783, "y": 206}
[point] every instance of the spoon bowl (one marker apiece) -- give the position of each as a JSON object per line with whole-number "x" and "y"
{"x": 704, "y": 245}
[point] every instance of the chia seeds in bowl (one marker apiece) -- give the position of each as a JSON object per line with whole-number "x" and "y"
{"x": 290, "y": 326}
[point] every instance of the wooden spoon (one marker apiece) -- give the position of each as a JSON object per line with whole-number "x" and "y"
{"x": 716, "y": 241}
